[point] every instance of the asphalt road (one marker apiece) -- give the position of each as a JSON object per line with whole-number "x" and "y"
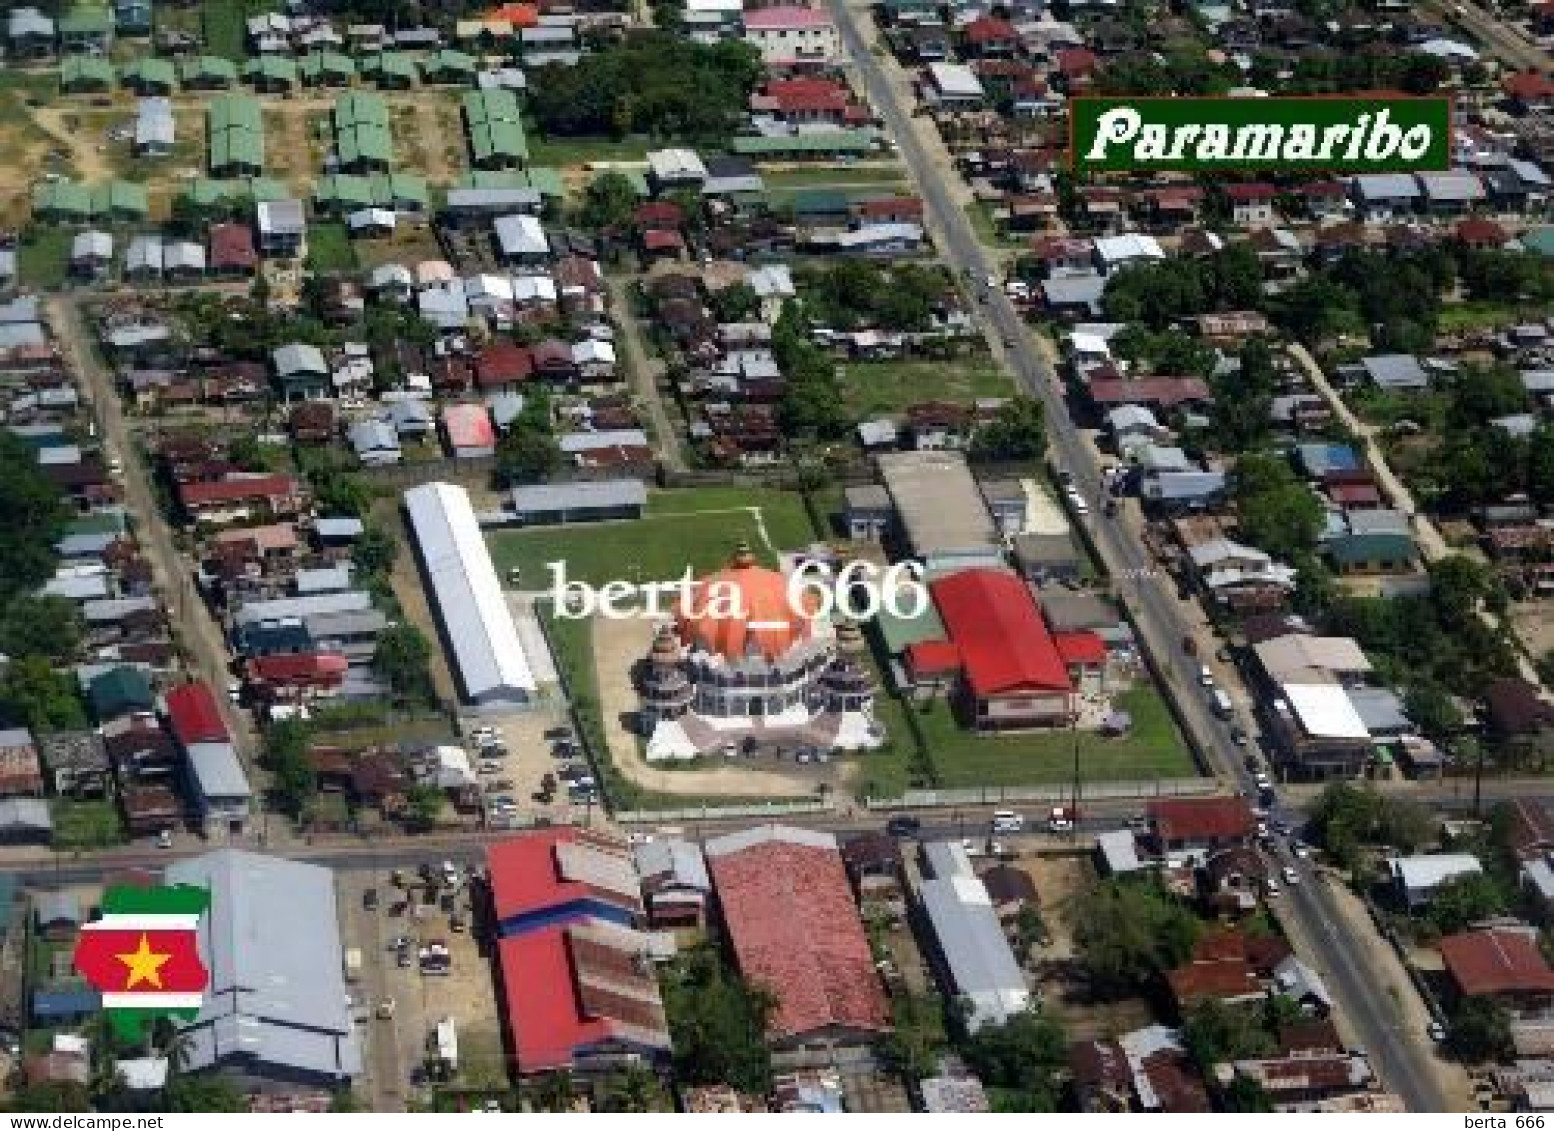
{"x": 1499, "y": 39}
{"x": 1156, "y": 613}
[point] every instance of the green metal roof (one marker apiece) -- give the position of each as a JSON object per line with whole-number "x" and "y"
{"x": 209, "y": 69}
{"x": 271, "y": 68}
{"x": 364, "y": 143}
{"x": 236, "y": 148}
{"x": 821, "y": 141}
{"x": 446, "y": 60}
{"x": 117, "y": 197}
{"x": 900, "y": 633}
{"x": 208, "y": 190}
{"x": 396, "y": 64}
{"x": 492, "y": 106}
{"x": 150, "y": 72}
{"x": 360, "y": 110}
{"x": 64, "y": 198}
{"x": 86, "y": 20}
{"x": 327, "y": 64}
{"x": 82, "y": 69}
{"x": 118, "y": 690}
{"x": 344, "y": 190}
{"x": 498, "y": 139}
{"x": 231, "y": 111}
{"x": 395, "y": 188}
{"x": 547, "y": 182}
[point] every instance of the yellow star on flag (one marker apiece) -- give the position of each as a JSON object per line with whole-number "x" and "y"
{"x": 145, "y": 965}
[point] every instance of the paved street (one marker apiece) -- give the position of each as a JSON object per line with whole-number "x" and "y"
{"x": 1499, "y": 41}
{"x": 1157, "y": 614}
{"x": 197, "y": 631}
{"x": 645, "y": 369}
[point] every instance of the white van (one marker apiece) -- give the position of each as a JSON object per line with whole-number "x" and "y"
{"x": 1005, "y": 821}
{"x": 1222, "y": 704}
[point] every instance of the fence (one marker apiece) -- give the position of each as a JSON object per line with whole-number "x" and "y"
{"x": 721, "y": 812}
{"x": 1056, "y": 793}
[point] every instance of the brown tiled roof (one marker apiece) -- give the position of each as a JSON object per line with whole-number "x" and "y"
{"x": 1496, "y": 962}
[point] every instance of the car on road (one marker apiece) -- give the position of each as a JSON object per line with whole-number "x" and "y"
{"x": 903, "y": 826}
{"x": 1008, "y": 821}
{"x": 164, "y": 839}
{"x": 1291, "y": 876}
{"x": 488, "y": 766}
{"x": 991, "y": 280}
{"x": 1436, "y": 1031}
{"x": 639, "y": 838}
{"x": 1238, "y": 736}
{"x": 370, "y": 899}
{"x": 1261, "y": 779}
{"x": 1301, "y": 849}
{"x": 1205, "y": 675}
{"x": 972, "y": 847}
{"x": 1271, "y": 888}
{"x": 559, "y": 734}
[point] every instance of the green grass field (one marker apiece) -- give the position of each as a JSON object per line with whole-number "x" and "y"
{"x": 223, "y": 20}
{"x": 43, "y": 256}
{"x": 964, "y": 759}
{"x": 561, "y": 151}
{"x": 695, "y": 527}
{"x": 876, "y": 387}
{"x": 330, "y": 248}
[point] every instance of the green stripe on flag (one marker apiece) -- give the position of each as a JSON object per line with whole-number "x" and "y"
{"x": 179, "y": 899}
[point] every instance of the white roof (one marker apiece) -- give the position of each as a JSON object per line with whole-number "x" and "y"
{"x": 955, "y": 79}
{"x": 1425, "y": 872}
{"x": 521, "y": 235}
{"x": 677, "y": 165}
{"x": 1324, "y": 710}
{"x": 1132, "y": 245}
{"x": 489, "y": 656}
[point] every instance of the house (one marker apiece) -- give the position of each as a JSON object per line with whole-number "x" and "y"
{"x": 469, "y": 431}
{"x": 21, "y": 772}
{"x": 1251, "y": 204}
{"x": 29, "y": 34}
{"x": 86, "y": 28}
{"x": 1418, "y": 878}
{"x": 290, "y": 678}
{"x": 1518, "y": 718}
{"x": 597, "y": 500}
{"x": 1384, "y": 196}
{"x": 301, "y": 370}
{"x": 792, "y": 35}
{"x": 1504, "y": 964}
{"x": 375, "y": 442}
{"x": 954, "y": 85}
{"x": 227, "y": 500}
{"x": 570, "y": 902}
{"x": 1375, "y": 540}
{"x": 231, "y": 250}
{"x": 1047, "y": 557}
{"x": 91, "y": 254}
{"x": 971, "y": 954}
{"x": 1241, "y": 578}
{"x": 521, "y": 239}
{"x": 1194, "y": 827}
{"x": 282, "y": 227}
{"x": 676, "y": 886}
{"x": 793, "y": 927}
{"x": 119, "y": 691}
{"x": 1011, "y": 672}
{"x": 77, "y": 764}
{"x": 1450, "y": 193}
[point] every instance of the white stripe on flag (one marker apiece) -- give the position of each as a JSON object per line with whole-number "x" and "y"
{"x": 153, "y": 1001}
{"x": 144, "y": 923}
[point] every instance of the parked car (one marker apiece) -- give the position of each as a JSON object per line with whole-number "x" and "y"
{"x": 903, "y": 826}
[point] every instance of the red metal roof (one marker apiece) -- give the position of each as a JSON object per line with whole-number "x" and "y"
{"x": 812, "y": 95}
{"x": 891, "y": 206}
{"x": 1496, "y": 962}
{"x": 232, "y": 245}
{"x": 1201, "y": 818}
{"x": 785, "y": 18}
{"x": 657, "y": 239}
{"x": 238, "y": 489}
{"x": 1477, "y": 230}
{"x": 1076, "y": 61}
{"x": 795, "y": 929}
{"x": 990, "y": 29}
{"x": 1167, "y": 391}
{"x": 1257, "y": 190}
{"x": 502, "y": 362}
{"x": 469, "y": 426}
{"x": 325, "y": 668}
{"x": 933, "y": 657}
{"x": 525, "y": 875}
{"x": 1080, "y": 647}
{"x": 1002, "y": 639}
{"x": 193, "y": 714}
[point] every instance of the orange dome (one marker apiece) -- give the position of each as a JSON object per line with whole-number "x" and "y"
{"x": 741, "y": 609}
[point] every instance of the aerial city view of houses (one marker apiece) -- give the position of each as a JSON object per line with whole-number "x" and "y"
{"x": 1099, "y": 654}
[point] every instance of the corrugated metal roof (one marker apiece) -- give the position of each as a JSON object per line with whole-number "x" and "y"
{"x": 487, "y": 651}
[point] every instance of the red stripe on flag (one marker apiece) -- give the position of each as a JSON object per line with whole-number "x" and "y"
{"x": 97, "y": 958}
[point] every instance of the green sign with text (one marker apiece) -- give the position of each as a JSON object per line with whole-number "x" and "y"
{"x": 1284, "y": 134}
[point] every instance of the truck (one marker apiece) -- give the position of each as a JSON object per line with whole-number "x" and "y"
{"x": 353, "y": 964}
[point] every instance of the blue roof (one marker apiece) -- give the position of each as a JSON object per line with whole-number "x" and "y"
{"x": 1318, "y": 459}
{"x": 65, "y": 1002}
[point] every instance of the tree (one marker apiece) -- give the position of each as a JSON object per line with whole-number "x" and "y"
{"x": 719, "y": 1023}
{"x": 552, "y": 1092}
{"x": 41, "y": 624}
{"x": 293, "y": 780}
{"x": 425, "y": 804}
{"x": 736, "y": 303}
{"x": 529, "y": 452}
{"x": 1480, "y": 1030}
{"x": 202, "y": 1093}
{"x": 608, "y": 203}
{"x": 375, "y": 552}
{"x": 1245, "y": 1094}
{"x": 1432, "y": 709}
{"x": 1279, "y": 513}
{"x": 35, "y": 696}
{"x": 403, "y": 658}
{"x": 1215, "y": 1031}
{"x": 60, "y": 1096}
{"x": 917, "y": 1039}
{"x": 35, "y": 516}
{"x": 1023, "y": 1058}
{"x": 631, "y": 1089}
{"x": 1017, "y": 431}
{"x": 1127, "y": 929}
{"x": 1461, "y": 901}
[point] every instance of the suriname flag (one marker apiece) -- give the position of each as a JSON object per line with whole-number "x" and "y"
{"x": 142, "y": 955}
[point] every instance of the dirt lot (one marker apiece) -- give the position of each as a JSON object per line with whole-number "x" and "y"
{"x": 1061, "y": 881}
{"x": 1534, "y": 625}
{"x": 395, "y": 1047}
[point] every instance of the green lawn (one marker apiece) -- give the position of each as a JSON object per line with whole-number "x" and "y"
{"x": 86, "y": 824}
{"x": 43, "y": 257}
{"x": 560, "y": 151}
{"x": 1462, "y": 317}
{"x": 964, "y": 759}
{"x": 882, "y": 387}
{"x": 224, "y": 31}
{"x": 981, "y": 217}
{"x": 694, "y": 527}
{"x": 329, "y": 247}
